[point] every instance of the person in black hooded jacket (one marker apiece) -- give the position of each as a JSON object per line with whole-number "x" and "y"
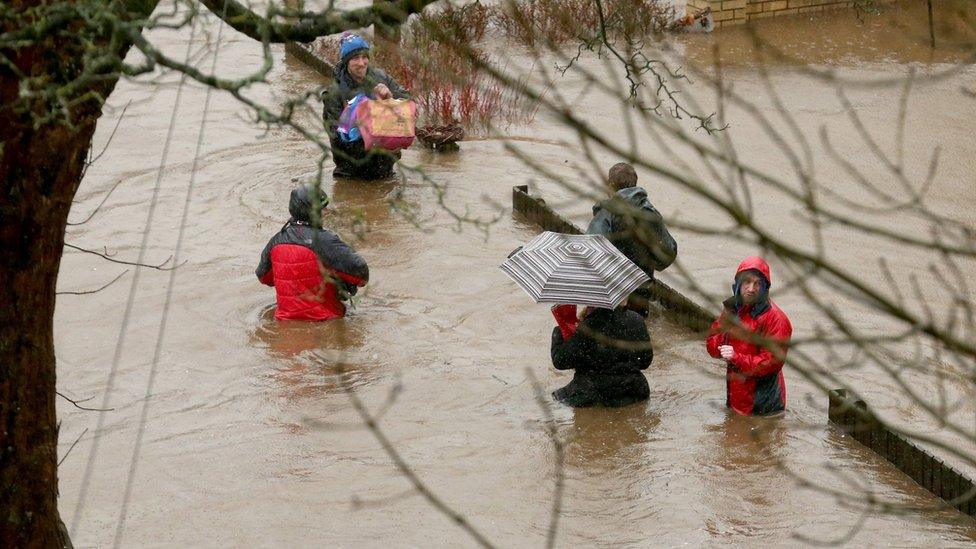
{"x": 311, "y": 268}
{"x": 608, "y": 350}
{"x": 353, "y": 76}
{"x": 635, "y": 227}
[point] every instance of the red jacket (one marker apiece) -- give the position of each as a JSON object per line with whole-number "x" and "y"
{"x": 754, "y": 377}
{"x": 294, "y": 262}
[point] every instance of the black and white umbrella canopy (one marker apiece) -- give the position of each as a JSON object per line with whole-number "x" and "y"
{"x": 575, "y": 269}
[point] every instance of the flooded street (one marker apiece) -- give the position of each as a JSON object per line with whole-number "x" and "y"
{"x": 227, "y": 428}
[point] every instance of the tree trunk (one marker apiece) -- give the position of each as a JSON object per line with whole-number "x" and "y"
{"x": 41, "y": 163}
{"x": 41, "y": 170}
{"x": 42, "y": 156}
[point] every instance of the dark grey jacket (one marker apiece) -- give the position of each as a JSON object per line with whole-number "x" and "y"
{"x": 636, "y": 228}
{"x": 344, "y": 88}
{"x": 352, "y": 159}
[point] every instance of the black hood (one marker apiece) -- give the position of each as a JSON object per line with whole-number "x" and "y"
{"x": 300, "y": 205}
{"x": 341, "y": 72}
{"x": 346, "y": 81}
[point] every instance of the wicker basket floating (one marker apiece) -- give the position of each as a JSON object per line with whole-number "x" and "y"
{"x": 441, "y": 138}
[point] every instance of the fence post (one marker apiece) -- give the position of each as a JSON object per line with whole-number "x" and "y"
{"x": 931, "y": 473}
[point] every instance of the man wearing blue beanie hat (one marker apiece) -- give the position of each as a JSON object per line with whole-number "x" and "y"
{"x": 353, "y": 76}
{"x": 350, "y": 45}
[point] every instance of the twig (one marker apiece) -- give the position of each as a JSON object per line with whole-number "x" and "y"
{"x": 112, "y": 135}
{"x": 550, "y": 423}
{"x": 402, "y": 466}
{"x": 72, "y": 447}
{"x": 94, "y": 291}
{"x": 106, "y": 256}
{"x": 360, "y": 503}
{"x": 500, "y": 379}
{"x": 80, "y": 407}
{"x": 100, "y": 204}
{"x": 931, "y": 26}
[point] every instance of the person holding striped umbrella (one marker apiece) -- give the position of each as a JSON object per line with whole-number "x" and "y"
{"x": 606, "y": 344}
{"x": 607, "y": 352}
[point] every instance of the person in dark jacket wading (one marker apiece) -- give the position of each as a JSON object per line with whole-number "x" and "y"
{"x": 353, "y": 76}
{"x": 607, "y": 350}
{"x": 635, "y": 227}
{"x": 311, "y": 268}
{"x": 752, "y": 336}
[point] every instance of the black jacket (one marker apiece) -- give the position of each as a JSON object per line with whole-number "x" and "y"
{"x": 636, "y": 228}
{"x": 607, "y": 371}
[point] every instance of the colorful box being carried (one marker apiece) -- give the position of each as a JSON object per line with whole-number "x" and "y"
{"x": 387, "y": 123}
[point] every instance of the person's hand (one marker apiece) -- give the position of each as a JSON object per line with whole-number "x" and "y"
{"x": 381, "y": 91}
{"x": 347, "y": 290}
{"x": 728, "y": 353}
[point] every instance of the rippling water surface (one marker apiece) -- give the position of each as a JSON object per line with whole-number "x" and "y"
{"x": 249, "y": 439}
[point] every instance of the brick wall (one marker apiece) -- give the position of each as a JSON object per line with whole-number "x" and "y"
{"x": 734, "y": 12}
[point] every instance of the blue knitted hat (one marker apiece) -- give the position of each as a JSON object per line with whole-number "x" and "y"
{"x": 351, "y": 44}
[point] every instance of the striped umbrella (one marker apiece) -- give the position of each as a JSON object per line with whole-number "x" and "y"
{"x": 576, "y": 269}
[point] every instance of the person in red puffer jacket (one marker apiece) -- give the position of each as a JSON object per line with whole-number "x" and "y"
{"x": 752, "y": 336}
{"x": 311, "y": 268}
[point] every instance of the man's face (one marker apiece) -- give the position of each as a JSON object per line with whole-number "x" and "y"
{"x": 358, "y": 65}
{"x": 750, "y": 286}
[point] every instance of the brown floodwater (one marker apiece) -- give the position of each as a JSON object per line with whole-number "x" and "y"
{"x": 227, "y": 428}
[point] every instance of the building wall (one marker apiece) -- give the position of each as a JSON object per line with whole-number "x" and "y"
{"x": 734, "y": 12}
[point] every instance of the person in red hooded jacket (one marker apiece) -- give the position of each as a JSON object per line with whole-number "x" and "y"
{"x": 311, "y": 268}
{"x": 752, "y": 336}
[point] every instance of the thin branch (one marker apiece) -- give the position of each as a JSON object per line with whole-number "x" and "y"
{"x": 360, "y": 503}
{"x": 92, "y": 214}
{"x": 310, "y": 25}
{"x": 80, "y": 407}
{"x": 72, "y": 447}
{"x": 112, "y": 135}
{"x": 105, "y": 256}
{"x": 402, "y": 466}
{"x": 550, "y": 423}
{"x": 97, "y": 290}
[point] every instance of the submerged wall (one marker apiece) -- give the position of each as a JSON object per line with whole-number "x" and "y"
{"x": 734, "y": 12}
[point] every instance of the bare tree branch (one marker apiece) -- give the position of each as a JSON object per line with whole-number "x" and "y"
{"x": 100, "y": 204}
{"x": 402, "y": 466}
{"x": 96, "y": 290}
{"x": 544, "y": 403}
{"x": 106, "y": 256}
{"x": 80, "y": 407}
{"x": 310, "y": 25}
{"x": 72, "y": 447}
